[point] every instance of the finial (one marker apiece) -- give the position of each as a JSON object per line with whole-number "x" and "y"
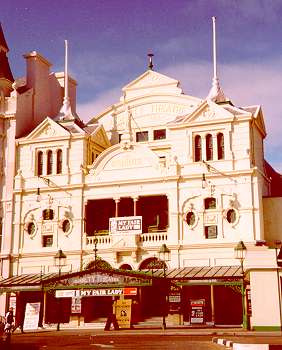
{"x": 216, "y": 94}
{"x": 150, "y": 64}
{"x": 65, "y": 111}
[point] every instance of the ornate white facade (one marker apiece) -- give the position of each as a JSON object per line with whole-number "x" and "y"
{"x": 193, "y": 169}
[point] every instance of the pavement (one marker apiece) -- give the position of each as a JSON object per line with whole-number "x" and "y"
{"x": 228, "y": 338}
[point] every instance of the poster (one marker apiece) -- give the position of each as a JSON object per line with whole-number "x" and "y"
{"x": 31, "y": 316}
{"x": 76, "y": 305}
{"x": 123, "y": 312}
{"x": 197, "y": 311}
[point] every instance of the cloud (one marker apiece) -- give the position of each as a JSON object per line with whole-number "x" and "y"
{"x": 88, "y": 110}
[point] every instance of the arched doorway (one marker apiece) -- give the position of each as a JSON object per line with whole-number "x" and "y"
{"x": 98, "y": 264}
{"x": 125, "y": 267}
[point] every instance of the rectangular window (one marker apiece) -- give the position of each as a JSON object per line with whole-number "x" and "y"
{"x": 119, "y": 137}
{"x": 210, "y": 232}
{"x": 47, "y": 240}
{"x": 142, "y": 136}
{"x": 160, "y": 134}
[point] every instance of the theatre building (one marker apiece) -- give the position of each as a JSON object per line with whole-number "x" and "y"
{"x": 158, "y": 168}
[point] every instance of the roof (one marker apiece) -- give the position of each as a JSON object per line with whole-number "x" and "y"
{"x": 200, "y": 273}
{"x": 3, "y": 42}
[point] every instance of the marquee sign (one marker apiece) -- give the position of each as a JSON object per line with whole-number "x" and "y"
{"x": 75, "y": 293}
{"x": 99, "y": 279}
{"x": 126, "y": 224}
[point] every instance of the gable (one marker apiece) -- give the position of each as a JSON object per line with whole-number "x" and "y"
{"x": 117, "y": 164}
{"x": 209, "y": 112}
{"x": 100, "y": 137}
{"x": 150, "y": 82}
{"x": 47, "y": 129}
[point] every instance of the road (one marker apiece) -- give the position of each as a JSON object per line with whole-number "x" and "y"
{"x": 85, "y": 340}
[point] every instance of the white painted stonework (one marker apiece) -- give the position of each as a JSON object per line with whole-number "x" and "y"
{"x": 106, "y": 160}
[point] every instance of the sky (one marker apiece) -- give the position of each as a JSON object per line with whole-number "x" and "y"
{"x": 109, "y": 40}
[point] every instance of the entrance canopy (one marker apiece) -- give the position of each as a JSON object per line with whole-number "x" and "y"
{"x": 111, "y": 278}
{"x": 202, "y": 274}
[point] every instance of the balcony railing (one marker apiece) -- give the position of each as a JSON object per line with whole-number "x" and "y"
{"x": 143, "y": 240}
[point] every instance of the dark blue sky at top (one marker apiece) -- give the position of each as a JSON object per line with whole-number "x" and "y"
{"x": 109, "y": 39}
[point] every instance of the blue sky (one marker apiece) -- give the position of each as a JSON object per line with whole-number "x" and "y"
{"x": 109, "y": 41}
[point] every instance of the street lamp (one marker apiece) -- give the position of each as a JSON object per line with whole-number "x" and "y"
{"x": 95, "y": 251}
{"x": 60, "y": 260}
{"x": 240, "y": 254}
{"x": 164, "y": 255}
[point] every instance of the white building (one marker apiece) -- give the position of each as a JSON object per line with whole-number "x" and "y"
{"x": 192, "y": 170}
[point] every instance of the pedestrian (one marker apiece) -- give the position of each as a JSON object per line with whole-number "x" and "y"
{"x": 9, "y": 319}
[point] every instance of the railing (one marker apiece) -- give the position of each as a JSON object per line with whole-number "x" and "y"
{"x": 153, "y": 238}
{"x": 144, "y": 239}
{"x": 103, "y": 241}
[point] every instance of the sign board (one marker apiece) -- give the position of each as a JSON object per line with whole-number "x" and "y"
{"x": 126, "y": 224}
{"x": 31, "y": 316}
{"x": 123, "y": 312}
{"x": 197, "y": 311}
{"x": 77, "y": 293}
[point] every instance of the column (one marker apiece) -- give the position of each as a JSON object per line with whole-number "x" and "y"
{"x": 117, "y": 200}
{"x": 135, "y": 200}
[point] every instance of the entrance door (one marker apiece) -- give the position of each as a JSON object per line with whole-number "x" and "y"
{"x": 228, "y": 305}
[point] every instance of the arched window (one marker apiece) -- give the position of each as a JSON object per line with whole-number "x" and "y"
{"x": 220, "y": 146}
{"x": 209, "y": 147}
{"x": 59, "y": 161}
{"x": 210, "y": 203}
{"x": 198, "y": 148}
{"x": 40, "y": 163}
{"x": 49, "y": 162}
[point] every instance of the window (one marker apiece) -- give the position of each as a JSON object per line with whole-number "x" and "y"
{"x": 142, "y": 136}
{"x": 119, "y": 137}
{"x": 49, "y": 162}
{"x": 210, "y": 232}
{"x": 220, "y": 146}
{"x": 209, "y": 147}
{"x": 160, "y": 134}
{"x": 31, "y": 228}
{"x": 198, "y": 148}
{"x": 210, "y": 203}
{"x": 231, "y": 216}
{"x": 190, "y": 218}
{"x": 47, "y": 241}
{"x": 59, "y": 161}
{"x": 40, "y": 163}
{"x": 66, "y": 226}
{"x": 48, "y": 214}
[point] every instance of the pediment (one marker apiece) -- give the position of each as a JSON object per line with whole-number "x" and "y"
{"x": 150, "y": 79}
{"x": 118, "y": 163}
{"x": 46, "y": 129}
{"x": 260, "y": 121}
{"x": 207, "y": 111}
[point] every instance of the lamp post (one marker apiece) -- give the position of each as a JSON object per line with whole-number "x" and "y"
{"x": 164, "y": 255}
{"x": 240, "y": 254}
{"x": 59, "y": 261}
{"x": 95, "y": 251}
